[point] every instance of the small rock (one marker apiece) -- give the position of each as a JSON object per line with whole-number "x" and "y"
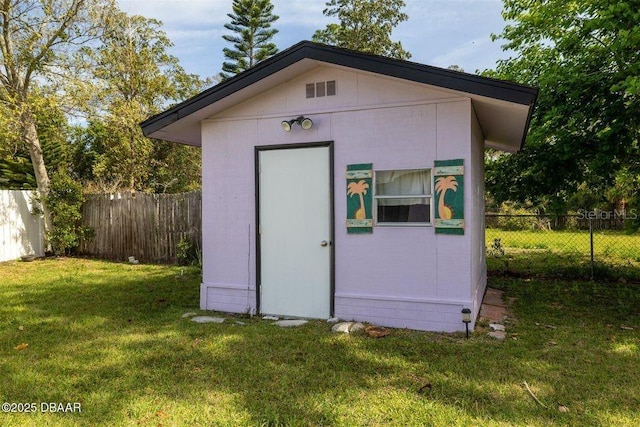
{"x": 290, "y": 323}
{"x": 342, "y": 327}
{"x": 356, "y": 327}
{"x": 270, "y": 318}
{"x": 499, "y": 335}
{"x": 563, "y": 408}
{"x": 207, "y": 319}
{"x": 333, "y": 320}
{"x": 189, "y": 314}
{"x": 496, "y": 327}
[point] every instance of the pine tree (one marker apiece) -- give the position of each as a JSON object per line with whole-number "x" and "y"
{"x": 365, "y": 25}
{"x": 16, "y": 173}
{"x": 252, "y": 33}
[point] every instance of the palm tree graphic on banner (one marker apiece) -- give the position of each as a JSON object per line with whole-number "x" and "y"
{"x": 359, "y": 188}
{"x": 444, "y": 184}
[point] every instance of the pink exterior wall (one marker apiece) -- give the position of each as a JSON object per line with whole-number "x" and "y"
{"x": 476, "y": 225}
{"x": 397, "y": 276}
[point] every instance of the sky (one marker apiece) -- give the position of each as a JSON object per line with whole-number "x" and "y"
{"x": 438, "y": 32}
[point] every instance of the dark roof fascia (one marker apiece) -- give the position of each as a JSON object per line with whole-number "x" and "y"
{"x": 529, "y": 116}
{"x": 264, "y": 69}
{"x": 420, "y": 73}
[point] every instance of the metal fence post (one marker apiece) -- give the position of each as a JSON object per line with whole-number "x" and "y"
{"x": 591, "y": 244}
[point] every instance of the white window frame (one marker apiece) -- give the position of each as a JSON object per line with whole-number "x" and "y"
{"x": 377, "y": 197}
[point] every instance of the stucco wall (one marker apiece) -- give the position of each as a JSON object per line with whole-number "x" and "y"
{"x": 476, "y": 224}
{"x": 397, "y": 276}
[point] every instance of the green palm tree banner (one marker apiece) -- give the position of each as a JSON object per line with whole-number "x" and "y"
{"x": 359, "y": 198}
{"x": 449, "y": 197}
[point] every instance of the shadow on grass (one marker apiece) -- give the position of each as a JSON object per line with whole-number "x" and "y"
{"x": 112, "y": 337}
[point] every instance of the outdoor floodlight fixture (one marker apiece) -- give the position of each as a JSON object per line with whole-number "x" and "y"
{"x": 466, "y": 319}
{"x": 304, "y": 122}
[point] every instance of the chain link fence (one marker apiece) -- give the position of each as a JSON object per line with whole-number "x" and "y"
{"x": 592, "y": 245}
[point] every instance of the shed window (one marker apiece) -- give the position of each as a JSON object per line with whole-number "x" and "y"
{"x": 403, "y": 197}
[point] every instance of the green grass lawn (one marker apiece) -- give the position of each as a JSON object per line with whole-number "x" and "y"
{"x": 614, "y": 244}
{"x": 110, "y": 336}
{"x": 565, "y": 253}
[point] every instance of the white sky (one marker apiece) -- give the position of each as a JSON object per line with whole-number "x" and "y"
{"x": 438, "y": 32}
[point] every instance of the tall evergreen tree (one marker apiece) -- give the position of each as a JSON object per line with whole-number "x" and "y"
{"x": 252, "y": 33}
{"x": 365, "y": 25}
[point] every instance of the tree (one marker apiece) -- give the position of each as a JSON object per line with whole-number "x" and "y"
{"x": 65, "y": 201}
{"x": 176, "y": 168}
{"x": 252, "y": 33}
{"x": 365, "y": 26}
{"x": 583, "y": 55}
{"x": 16, "y": 168}
{"x": 36, "y": 39}
{"x": 133, "y": 77}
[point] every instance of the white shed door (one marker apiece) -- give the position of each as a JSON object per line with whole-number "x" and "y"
{"x": 295, "y": 231}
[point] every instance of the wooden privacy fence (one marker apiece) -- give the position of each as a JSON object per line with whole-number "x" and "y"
{"x": 146, "y": 226}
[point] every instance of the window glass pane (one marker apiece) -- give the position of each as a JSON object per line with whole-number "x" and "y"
{"x": 403, "y": 182}
{"x": 404, "y": 210}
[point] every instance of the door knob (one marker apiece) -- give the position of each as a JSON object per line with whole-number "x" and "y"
{"x": 324, "y": 243}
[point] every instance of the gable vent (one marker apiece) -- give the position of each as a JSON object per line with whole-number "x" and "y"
{"x": 331, "y": 87}
{"x": 320, "y": 89}
{"x": 311, "y": 90}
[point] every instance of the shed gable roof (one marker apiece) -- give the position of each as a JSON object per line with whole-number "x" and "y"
{"x": 503, "y": 108}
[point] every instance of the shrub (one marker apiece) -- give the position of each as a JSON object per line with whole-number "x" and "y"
{"x": 496, "y": 249}
{"x": 188, "y": 253}
{"x": 516, "y": 219}
{"x": 64, "y": 201}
